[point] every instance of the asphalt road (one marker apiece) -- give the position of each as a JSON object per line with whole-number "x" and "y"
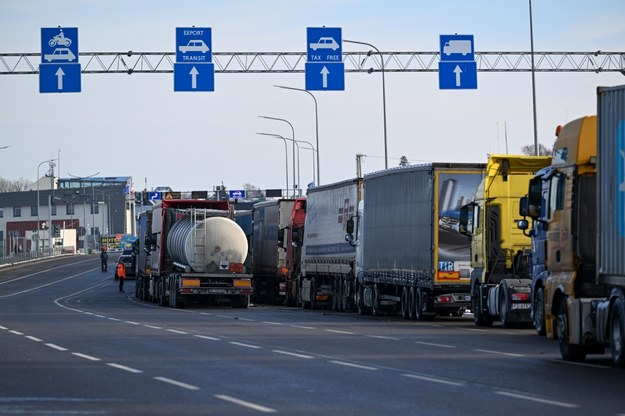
{"x": 70, "y": 343}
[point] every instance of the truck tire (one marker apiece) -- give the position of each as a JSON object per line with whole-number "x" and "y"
{"x": 405, "y": 303}
{"x": 504, "y": 302}
{"x": 360, "y": 302}
{"x": 479, "y": 317}
{"x": 418, "y": 305}
{"x": 539, "y": 311}
{"x": 569, "y": 352}
{"x": 412, "y": 303}
{"x": 617, "y": 333}
{"x": 375, "y": 302}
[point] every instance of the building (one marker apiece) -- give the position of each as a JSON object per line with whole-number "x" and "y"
{"x": 72, "y": 213}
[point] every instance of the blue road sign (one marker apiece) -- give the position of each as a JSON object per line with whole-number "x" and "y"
{"x": 322, "y": 76}
{"x": 457, "y": 75}
{"x": 194, "y": 45}
{"x": 237, "y": 194}
{"x": 457, "y": 48}
{"x": 59, "y": 70}
{"x": 59, "y": 78}
{"x": 194, "y": 77}
{"x": 154, "y": 196}
{"x": 325, "y": 70}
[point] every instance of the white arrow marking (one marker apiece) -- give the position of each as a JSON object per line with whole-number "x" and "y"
{"x": 59, "y": 78}
{"x": 457, "y": 71}
{"x": 194, "y": 74}
{"x": 324, "y": 74}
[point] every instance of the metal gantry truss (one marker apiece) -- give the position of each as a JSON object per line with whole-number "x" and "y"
{"x": 294, "y": 62}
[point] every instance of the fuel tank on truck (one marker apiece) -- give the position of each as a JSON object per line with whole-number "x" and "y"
{"x": 208, "y": 245}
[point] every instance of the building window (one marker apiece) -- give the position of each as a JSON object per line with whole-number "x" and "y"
{"x": 69, "y": 208}
{"x": 53, "y": 210}
{"x": 17, "y": 211}
{"x": 34, "y": 211}
{"x": 94, "y": 208}
{"x": 1, "y": 212}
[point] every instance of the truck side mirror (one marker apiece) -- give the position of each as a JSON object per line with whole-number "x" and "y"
{"x": 350, "y": 226}
{"x": 522, "y": 225}
{"x": 523, "y": 208}
{"x": 463, "y": 227}
{"x": 281, "y": 233}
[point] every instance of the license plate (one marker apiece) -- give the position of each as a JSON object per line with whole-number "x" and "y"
{"x": 521, "y": 306}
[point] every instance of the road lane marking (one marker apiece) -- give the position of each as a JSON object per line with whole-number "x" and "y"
{"x": 86, "y": 357}
{"x": 56, "y": 347}
{"x": 346, "y": 364}
{"x": 473, "y": 329}
{"x": 293, "y": 354}
{"x": 508, "y": 354}
{"x": 207, "y": 337}
{"x": 244, "y": 403}
{"x": 175, "y": 331}
{"x": 132, "y": 322}
{"x": 99, "y": 316}
{"x": 581, "y": 365}
{"x": 16, "y": 332}
{"x": 42, "y": 286}
{"x": 123, "y": 367}
{"x": 42, "y": 271}
{"x": 34, "y": 338}
{"x": 336, "y": 331}
{"x": 176, "y": 383}
{"x": 3, "y": 327}
{"x": 272, "y": 323}
{"x": 431, "y": 344}
{"x": 434, "y": 380}
{"x": 247, "y": 319}
{"x": 153, "y": 326}
{"x": 303, "y": 327}
{"x": 383, "y": 337}
{"x": 240, "y": 344}
{"x": 536, "y": 399}
{"x": 114, "y": 319}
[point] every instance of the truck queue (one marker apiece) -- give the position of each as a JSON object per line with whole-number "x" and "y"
{"x": 425, "y": 240}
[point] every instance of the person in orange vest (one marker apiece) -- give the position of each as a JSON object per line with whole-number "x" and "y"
{"x": 121, "y": 275}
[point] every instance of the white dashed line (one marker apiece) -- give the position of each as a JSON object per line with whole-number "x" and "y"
{"x": 99, "y": 316}
{"x": 336, "y": 331}
{"x": 508, "y": 354}
{"x": 114, "y": 319}
{"x": 292, "y": 354}
{"x": 207, "y": 337}
{"x": 272, "y": 323}
{"x": 537, "y": 399}
{"x": 3, "y": 327}
{"x": 362, "y": 367}
{"x": 303, "y": 327}
{"x": 176, "y": 383}
{"x": 123, "y": 367}
{"x": 247, "y": 320}
{"x": 473, "y": 329}
{"x": 132, "y": 323}
{"x": 16, "y": 332}
{"x": 240, "y": 344}
{"x": 581, "y": 365}
{"x": 56, "y": 347}
{"x": 244, "y": 403}
{"x": 152, "y": 326}
{"x": 86, "y": 357}
{"x": 30, "y": 337}
{"x": 383, "y": 337}
{"x": 433, "y": 380}
{"x": 175, "y": 331}
{"x": 435, "y": 345}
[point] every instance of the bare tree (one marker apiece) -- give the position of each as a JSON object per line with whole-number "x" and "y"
{"x": 16, "y": 185}
{"x": 542, "y": 150}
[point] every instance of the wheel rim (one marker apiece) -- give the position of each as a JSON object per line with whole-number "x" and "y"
{"x": 617, "y": 336}
{"x": 539, "y": 312}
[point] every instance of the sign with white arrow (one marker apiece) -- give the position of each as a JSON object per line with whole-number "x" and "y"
{"x": 457, "y": 69}
{"x": 194, "y": 69}
{"x": 325, "y": 70}
{"x": 59, "y": 70}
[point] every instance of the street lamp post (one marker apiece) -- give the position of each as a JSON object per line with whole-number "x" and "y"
{"x": 316, "y": 124}
{"x": 286, "y": 157}
{"x": 51, "y": 161}
{"x": 313, "y": 156}
{"x": 383, "y": 93}
{"x": 536, "y": 152}
{"x": 293, "y": 139}
{"x": 84, "y": 207}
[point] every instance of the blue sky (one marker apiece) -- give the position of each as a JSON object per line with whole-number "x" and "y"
{"x": 137, "y": 126}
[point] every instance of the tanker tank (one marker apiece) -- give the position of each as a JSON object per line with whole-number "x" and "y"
{"x": 207, "y": 245}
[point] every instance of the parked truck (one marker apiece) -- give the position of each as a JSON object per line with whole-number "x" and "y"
{"x": 192, "y": 250}
{"x": 500, "y": 252}
{"x": 581, "y": 201}
{"x": 291, "y": 239}
{"x": 269, "y": 253}
{"x": 410, "y": 256}
{"x": 328, "y": 260}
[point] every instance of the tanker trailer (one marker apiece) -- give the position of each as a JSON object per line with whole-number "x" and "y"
{"x": 197, "y": 254}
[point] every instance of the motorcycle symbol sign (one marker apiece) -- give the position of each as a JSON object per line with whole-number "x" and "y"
{"x": 59, "y": 44}
{"x": 59, "y": 40}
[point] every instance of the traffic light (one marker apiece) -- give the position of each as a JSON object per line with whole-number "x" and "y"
{"x": 56, "y": 230}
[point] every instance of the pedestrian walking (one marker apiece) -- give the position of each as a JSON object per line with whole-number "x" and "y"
{"x": 121, "y": 275}
{"x": 104, "y": 259}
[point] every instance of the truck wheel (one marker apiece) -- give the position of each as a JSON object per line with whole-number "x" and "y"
{"x": 569, "y": 352}
{"x": 418, "y": 305}
{"x": 503, "y": 306}
{"x": 412, "y": 303}
{"x": 617, "y": 334}
{"x": 360, "y": 302}
{"x": 375, "y": 303}
{"x": 479, "y": 317}
{"x": 539, "y": 311}
{"x": 405, "y": 303}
